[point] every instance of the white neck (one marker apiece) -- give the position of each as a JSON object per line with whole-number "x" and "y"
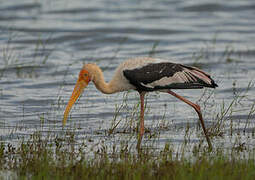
{"x": 98, "y": 79}
{"x": 104, "y": 87}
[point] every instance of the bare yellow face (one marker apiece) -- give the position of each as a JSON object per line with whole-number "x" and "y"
{"x": 82, "y": 82}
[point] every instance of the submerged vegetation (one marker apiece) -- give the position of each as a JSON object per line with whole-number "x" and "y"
{"x": 14, "y": 62}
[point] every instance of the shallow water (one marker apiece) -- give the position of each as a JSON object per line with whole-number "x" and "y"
{"x": 43, "y": 45}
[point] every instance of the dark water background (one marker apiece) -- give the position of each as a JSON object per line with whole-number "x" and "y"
{"x": 43, "y": 45}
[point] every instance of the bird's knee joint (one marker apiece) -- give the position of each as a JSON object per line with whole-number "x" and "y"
{"x": 197, "y": 107}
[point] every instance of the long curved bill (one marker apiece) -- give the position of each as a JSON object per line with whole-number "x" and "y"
{"x": 78, "y": 89}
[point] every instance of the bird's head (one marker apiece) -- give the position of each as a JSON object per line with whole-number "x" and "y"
{"x": 81, "y": 84}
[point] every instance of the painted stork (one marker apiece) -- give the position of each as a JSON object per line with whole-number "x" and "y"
{"x": 145, "y": 75}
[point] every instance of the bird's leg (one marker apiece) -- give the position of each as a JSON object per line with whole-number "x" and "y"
{"x": 141, "y": 132}
{"x": 197, "y": 109}
{"x": 142, "y": 94}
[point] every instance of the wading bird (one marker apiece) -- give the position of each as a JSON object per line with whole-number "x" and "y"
{"x": 145, "y": 75}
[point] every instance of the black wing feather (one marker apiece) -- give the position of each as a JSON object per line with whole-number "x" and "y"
{"x": 139, "y": 77}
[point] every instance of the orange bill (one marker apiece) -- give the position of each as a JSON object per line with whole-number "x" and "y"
{"x": 78, "y": 89}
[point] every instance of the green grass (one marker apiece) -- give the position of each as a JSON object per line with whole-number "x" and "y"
{"x": 53, "y": 157}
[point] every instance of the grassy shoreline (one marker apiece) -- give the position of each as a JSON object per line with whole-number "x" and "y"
{"x": 56, "y": 157}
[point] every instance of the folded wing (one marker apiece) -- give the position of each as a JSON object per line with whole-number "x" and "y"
{"x": 166, "y": 75}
